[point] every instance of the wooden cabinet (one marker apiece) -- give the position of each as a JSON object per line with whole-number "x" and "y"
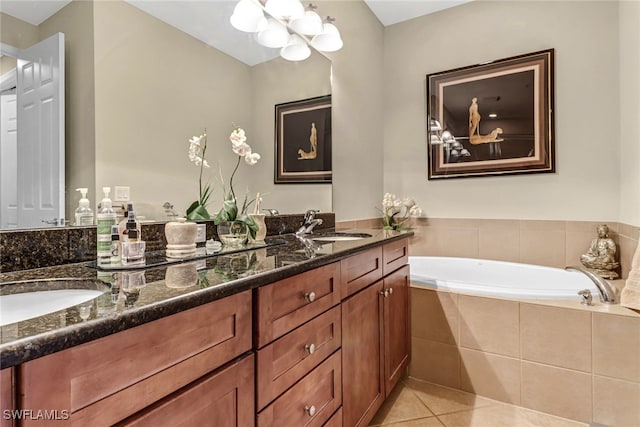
{"x": 375, "y": 338}
{"x": 361, "y": 270}
{"x": 7, "y": 395}
{"x": 222, "y": 399}
{"x": 288, "y": 303}
{"x": 362, "y": 356}
{"x": 397, "y": 333}
{"x": 298, "y": 334}
{"x": 285, "y": 361}
{"x": 107, "y": 380}
{"x": 311, "y": 402}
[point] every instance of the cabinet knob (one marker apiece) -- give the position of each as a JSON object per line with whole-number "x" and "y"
{"x": 310, "y": 296}
{"x": 311, "y": 410}
{"x": 385, "y": 293}
{"x": 310, "y": 348}
{"x": 390, "y": 291}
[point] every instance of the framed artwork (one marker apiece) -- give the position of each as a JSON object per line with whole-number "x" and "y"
{"x": 303, "y": 141}
{"x": 492, "y": 119}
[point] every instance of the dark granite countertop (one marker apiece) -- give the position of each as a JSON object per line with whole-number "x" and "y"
{"x": 132, "y": 298}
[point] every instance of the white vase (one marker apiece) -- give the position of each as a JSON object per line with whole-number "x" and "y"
{"x": 262, "y": 227}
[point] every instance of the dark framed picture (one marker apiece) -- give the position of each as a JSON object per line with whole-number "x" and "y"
{"x": 492, "y": 119}
{"x": 303, "y": 141}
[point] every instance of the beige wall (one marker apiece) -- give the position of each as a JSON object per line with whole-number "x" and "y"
{"x": 155, "y": 88}
{"x": 357, "y": 110}
{"x": 275, "y": 82}
{"x": 17, "y": 33}
{"x": 76, "y": 22}
{"x": 587, "y": 108}
{"x": 629, "y": 84}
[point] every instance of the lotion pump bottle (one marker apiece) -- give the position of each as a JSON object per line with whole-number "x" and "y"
{"x": 105, "y": 219}
{"x": 84, "y": 214}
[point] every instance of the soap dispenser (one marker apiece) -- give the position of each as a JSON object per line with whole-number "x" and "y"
{"x": 84, "y": 214}
{"x": 105, "y": 219}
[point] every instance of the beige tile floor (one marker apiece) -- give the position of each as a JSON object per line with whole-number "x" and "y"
{"x": 415, "y": 403}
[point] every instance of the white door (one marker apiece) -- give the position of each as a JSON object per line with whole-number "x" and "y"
{"x": 8, "y": 160}
{"x": 40, "y": 104}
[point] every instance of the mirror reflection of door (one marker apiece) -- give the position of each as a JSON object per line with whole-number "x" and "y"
{"x": 32, "y": 137}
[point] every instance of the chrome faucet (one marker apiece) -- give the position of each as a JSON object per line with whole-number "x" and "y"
{"x": 309, "y": 223}
{"x": 607, "y": 294}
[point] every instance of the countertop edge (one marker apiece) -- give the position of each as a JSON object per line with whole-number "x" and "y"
{"x": 23, "y": 350}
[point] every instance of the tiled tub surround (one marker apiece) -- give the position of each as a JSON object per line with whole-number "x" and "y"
{"x": 28, "y": 249}
{"x": 561, "y": 358}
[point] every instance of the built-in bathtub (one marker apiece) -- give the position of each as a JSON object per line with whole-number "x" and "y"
{"x": 517, "y": 333}
{"x": 498, "y": 278}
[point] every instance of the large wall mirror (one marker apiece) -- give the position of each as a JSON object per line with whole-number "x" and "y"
{"x": 137, "y": 88}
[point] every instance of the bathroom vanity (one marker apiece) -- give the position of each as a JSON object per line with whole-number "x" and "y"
{"x": 299, "y": 337}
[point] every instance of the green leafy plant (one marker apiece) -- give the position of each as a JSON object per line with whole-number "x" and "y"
{"x": 229, "y": 210}
{"x": 396, "y": 212}
{"x": 197, "y": 149}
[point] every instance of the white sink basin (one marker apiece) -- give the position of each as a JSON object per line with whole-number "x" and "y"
{"x": 27, "y": 305}
{"x": 337, "y": 238}
{"x": 341, "y": 237}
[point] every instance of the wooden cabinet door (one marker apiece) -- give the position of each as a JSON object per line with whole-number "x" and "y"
{"x": 6, "y": 397}
{"x": 362, "y": 356}
{"x": 222, "y": 399}
{"x": 396, "y": 326}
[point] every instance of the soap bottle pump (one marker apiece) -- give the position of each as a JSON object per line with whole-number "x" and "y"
{"x": 84, "y": 214}
{"x": 105, "y": 219}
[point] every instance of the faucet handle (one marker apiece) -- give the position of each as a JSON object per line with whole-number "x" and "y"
{"x": 310, "y": 214}
{"x": 272, "y": 212}
{"x": 586, "y": 297}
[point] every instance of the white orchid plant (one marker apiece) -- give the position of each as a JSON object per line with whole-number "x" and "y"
{"x": 197, "y": 149}
{"x": 396, "y": 212}
{"x": 230, "y": 211}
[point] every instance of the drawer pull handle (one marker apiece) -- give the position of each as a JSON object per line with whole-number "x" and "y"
{"x": 310, "y": 348}
{"x": 310, "y": 296}
{"x": 311, "y": 410}
{"x": 385, "y": 293}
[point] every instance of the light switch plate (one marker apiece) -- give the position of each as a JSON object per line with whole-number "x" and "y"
{"x": 201, "y": 234}
{"x": 121, "y": 194}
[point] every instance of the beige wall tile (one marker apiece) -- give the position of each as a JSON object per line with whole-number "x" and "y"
{"x": 615, "y": 402}
{"x": 449, "y": 241}
{"x": 345, "y": 225}
{"x": 369, "y": 223}
{"x": 453, "y": 222}
{"x": 543, "y": 247}
{"x": 557, "y": 391}
{"x": 627, "y": 248}
{"x": 629, "y": 230}
{"x": 541, "y": 225}
{"x": 490, "y": 375}
{"x": 589, "y": 226}
{"x": 577, "y": 243}
{"x": 501, "y": 243}
{"x": 435, "y": 362}
{"x": 616, "y": 346}
{"x": 434, "y": 315}
{"x": 489, "y": 325}
{"x": 556, "y": 336}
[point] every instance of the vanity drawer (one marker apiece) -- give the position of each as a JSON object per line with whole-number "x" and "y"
{"x": 283, "y": 362}
{"x": 288, "y": 303}
{"x": 361, "y": 270}
{"x": 311, "y": 402}
{"x": 335, "y": 420}
{"x": 106, "y": 380}
{"x": 394, "y": 255}
{"x": 223, "y": 398}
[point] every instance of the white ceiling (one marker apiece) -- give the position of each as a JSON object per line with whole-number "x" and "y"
{"x": 207, "y": 20}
